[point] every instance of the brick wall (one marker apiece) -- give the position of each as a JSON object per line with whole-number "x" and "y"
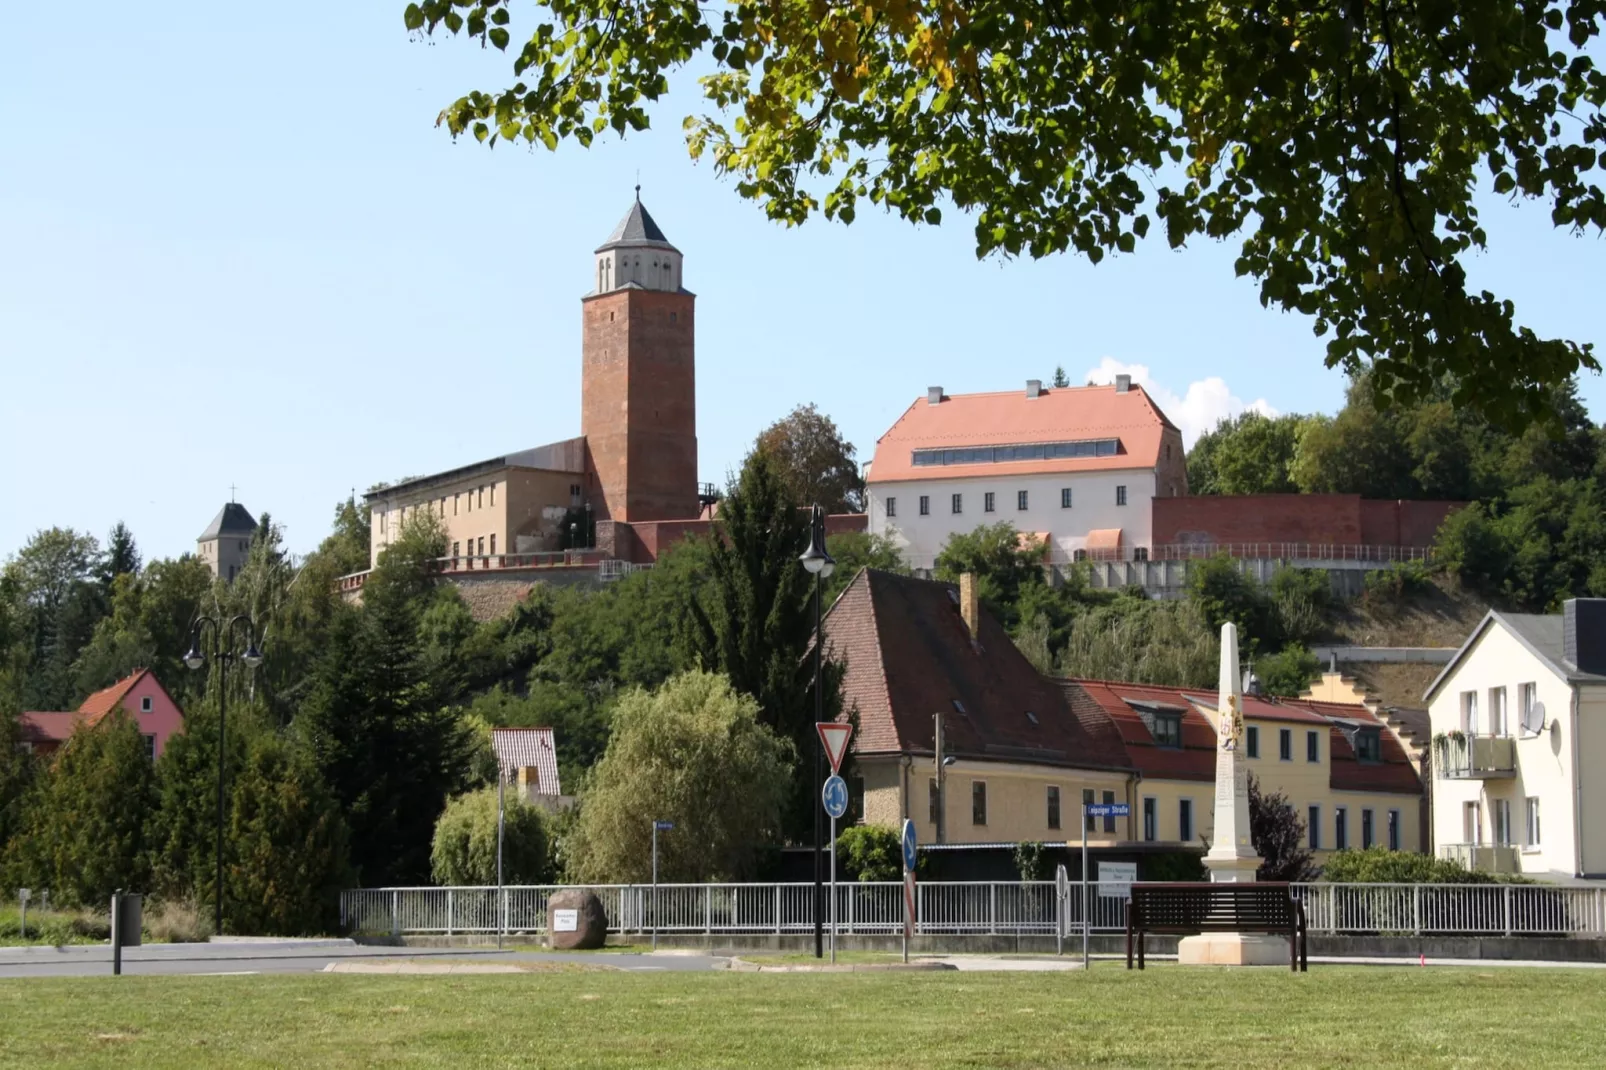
{"x": 1403, "y": 523}
{"x": 1344, "y": 519}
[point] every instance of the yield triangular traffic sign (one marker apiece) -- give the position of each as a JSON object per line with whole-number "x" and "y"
{"x": 835, "y": 737}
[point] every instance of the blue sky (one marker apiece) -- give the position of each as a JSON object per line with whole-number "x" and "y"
{"x": 234, "y": 249}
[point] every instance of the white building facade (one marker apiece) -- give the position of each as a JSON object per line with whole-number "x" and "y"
{"x": 1075, "y": 467}
{"x": 1519, "y": 745}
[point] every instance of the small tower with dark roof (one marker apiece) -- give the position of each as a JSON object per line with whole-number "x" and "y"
{"x": 226, "y": 542}
{"x": 638, "y": 392}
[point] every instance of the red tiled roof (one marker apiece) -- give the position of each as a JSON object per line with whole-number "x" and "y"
{"x": 908, "y": 655}
{"x": 1059, "y": 414}
{"x": 38, "y": 726}
{"x": 1103, "y": 699}
{"x": 108, "y": 699}
{"x": 523, "y": 748}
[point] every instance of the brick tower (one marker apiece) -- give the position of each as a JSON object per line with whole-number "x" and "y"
{"x": 638, "y": 386}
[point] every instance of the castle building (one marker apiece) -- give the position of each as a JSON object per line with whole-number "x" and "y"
{"x": 634, "y": 464}
{"x": 226, "y": 542}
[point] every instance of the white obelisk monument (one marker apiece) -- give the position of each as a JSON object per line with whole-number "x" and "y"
{"x": 1232, "y": 857}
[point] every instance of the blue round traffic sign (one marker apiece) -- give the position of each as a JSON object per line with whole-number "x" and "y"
{"x": 835, "y": 796}
{"x": 909, "y": 845}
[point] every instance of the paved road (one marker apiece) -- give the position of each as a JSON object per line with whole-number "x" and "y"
{"x": 307, "y": 956}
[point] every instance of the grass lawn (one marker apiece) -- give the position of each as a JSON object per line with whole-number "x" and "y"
{"x": 1168, "y": 1016}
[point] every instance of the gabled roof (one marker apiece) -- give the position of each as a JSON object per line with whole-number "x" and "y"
{"x": 39, "y": 726}
{"x": 636, "y": 228}
{"x": 58, "y": 725}
{"x": 523, "y": 748}
{"x": 1058, "y": 414}
{"x": 909, "y": 655}
{"x": 1541, "y": 633}
{"x": 108, "y": 699}
{"x": 232, "y": 519}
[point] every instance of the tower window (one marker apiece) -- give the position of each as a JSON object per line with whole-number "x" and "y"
{"x": 1120, "y": 495}
{"x": 986, "y": 502}
{"x": 958, "y": 503}
{"x": 1020, "y": 499}
{"x": 1065, "y": 497}
{"x": 925, "y": 505}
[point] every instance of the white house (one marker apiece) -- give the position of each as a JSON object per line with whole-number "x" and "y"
{"x": 1075, "y": 466}
{"x": 1519, "y": 744}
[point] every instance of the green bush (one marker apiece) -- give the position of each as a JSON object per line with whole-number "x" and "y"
{"x": 1378, "y": 865}
{"x": 1390, "y": 586}
{"x": 870, "y": 853}
{"x": 1032, "y": 861}
{"x": 1288, "y": 673}
{"x": 464, "y": 851}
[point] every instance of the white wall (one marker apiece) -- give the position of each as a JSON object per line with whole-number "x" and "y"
{"x": 1544, "y": 762}
{"x": 1093, "y": 507}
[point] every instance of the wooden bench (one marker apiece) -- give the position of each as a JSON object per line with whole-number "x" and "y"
{"x": 1186, "y": 909}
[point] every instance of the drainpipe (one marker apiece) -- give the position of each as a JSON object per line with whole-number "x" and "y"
{"x": 903, "y": 764}
{"x": 1578, "y": 791}
{"x": 1133, "y": 779}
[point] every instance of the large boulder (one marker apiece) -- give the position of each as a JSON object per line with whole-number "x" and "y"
{"x": 575, "y": 920}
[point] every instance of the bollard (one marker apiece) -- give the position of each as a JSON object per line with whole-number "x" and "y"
{"x": 127, "y": 920}
{"x": 22, "y": 916}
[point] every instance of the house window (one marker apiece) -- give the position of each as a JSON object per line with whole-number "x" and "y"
{"x": 957, "y": 504}
{"x": 1053, "y": 806}
{"x": 925, "y": 505}
{"x": 892, "y": 507}
{"x": 1340, "y": 828}
{"x": 1502, "y": 822}
{"x": 1151, "y": 818}
{"x": 1394, "y": 830}
{"x": 1252, "y": 740}
{"x": 1065, "y": 497}
{"x": 493, "y": 544}
{"x": 1285, "y": 744}
{"x": 1368, "y": 745}
{"x": 1366, "y": 828}
{"x": 1526, "y": 697}
{"x": 986, "y": 502}
{"x": 1533, "y": 820}
{"x": 1497, "y": 712}
{"x": 1120, "y": 494}
{"x": 1185, "y": 820}
{"x": 978, "y": 802}
{"x": 1313, "y": 746}
{"x": 934, "y": 800}
{"x": 1469, "y": 712}
{"x": 1313, "y": 822}
{"x": 1020, "y": 499}
{"x": 1140, "y": 553}
{"x": 1471, "y": 823}
{"x": 1087, "y": 818}
{"x": 456, "y": 547}
{"x": 493, "y": 494}
{"x": 145, "y": 704}
{"x": 456, "y": 503}
{"x": 150, "y": 748}
{"x": 1109, "y": 822}
{"x": 1168, "y": 730}
{"x": 482, "y": 545}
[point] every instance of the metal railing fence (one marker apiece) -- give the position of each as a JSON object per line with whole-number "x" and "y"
{"x": 1009, "y": 908}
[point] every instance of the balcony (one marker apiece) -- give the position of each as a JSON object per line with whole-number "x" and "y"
{"x": 1483, "y": 857}
{"x": 1475, "y": 757}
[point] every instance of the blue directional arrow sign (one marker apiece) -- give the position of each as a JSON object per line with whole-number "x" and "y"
{"x": 909, "y": 845}
{"x": 835, "y": 796}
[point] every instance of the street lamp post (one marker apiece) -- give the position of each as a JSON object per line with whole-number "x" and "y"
{"x": 223, "y": 646}
{"x": 818, "y": 562}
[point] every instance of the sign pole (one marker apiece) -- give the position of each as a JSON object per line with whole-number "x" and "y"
{"x": 907, "y": 842}
{"x": 833, "y": 891}
{"x": 1085, "y": 919}
{"x": 501, "y": 892}
{"x": 655, "y": 885}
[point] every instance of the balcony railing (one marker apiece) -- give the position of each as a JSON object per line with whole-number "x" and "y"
{"x": 1483, "y": 857}
{"x": 1475, "y": 757}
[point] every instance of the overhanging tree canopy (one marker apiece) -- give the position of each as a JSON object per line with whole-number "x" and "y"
{"x": 1342, "y": 140}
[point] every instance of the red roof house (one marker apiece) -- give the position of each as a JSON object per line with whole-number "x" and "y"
{"x": 141, "y": 695}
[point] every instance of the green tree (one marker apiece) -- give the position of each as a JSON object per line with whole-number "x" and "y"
{"x": 1278, "y": 836}
{"x": 1061, "y": 380}
{"x": 855, "y": 550}
{"x": 694, "y": 752}
{"x": 1221, "y": 590}
{"x": 287, "y": 843}
{"x": 83, "y": 831}
{"x": 1287, "y": 673}
{"x": 814, "y": 461}
{"x": 1246, "y": 454}
{"x": 1342, "y": 145}
{"x": 181, "y": 834}
{"x": 1166, "y": 643}
{"x": 464, "y": 850}
{"x": 121, "y": 557}
{"x": 870, "y": 853}
{"x": 1000, "y": 559}
{"x": 54, "y": 586}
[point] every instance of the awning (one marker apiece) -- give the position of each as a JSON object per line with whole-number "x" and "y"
{"x": 1103, "y": 539}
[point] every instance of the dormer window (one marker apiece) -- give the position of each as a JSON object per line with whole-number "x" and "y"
{"x": 1369, "y": 745}
{"x": 1168, "y": 730}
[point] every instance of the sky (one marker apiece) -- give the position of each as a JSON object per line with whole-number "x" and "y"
{"x": 236, "y": 252}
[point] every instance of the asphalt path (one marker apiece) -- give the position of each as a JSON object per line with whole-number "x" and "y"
{"x": 308, "y": 956}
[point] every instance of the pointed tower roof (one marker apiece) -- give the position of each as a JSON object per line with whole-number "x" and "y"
{"x": 232, "y": 519}
{"x": 636, "y": 229}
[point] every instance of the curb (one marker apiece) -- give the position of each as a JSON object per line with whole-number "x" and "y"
{"x": 749, "y": 966}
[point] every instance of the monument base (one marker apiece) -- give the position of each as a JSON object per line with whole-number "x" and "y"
{"x": 1233, "y": 949}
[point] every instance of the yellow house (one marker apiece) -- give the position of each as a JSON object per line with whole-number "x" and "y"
{"x": 1519, "y": 726}
{"x": 959, "y": 733}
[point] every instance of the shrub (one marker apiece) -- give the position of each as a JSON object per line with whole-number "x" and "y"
{"x": 1378, "y": 865}
{"x": 1389, "y": 587}
{"x": 176, "y": 921}
{"x": 1032, "y": 861}
{"x": 464, "y": 850}
{"x": 870, "y": 853}
{"x": 1288, "y": 673}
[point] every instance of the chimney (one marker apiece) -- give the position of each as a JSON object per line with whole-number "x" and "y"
{"x": 933, "y": 395}
{"x": 1583, "y": 634}
{"x": 1034, "y": 388}
{"x": 970, "y": 606}
{"x": 1123, "y": 384}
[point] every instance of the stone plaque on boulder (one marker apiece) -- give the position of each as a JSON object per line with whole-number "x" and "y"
{"x": 575, "y": 920}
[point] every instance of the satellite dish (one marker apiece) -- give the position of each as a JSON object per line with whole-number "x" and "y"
{"x": 1533, "y": 719}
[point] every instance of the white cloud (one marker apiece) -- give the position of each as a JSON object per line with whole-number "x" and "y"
{"x": 1206, "y": 403}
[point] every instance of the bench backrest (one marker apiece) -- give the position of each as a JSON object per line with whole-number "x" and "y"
{"x": 1202, "y": 907}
